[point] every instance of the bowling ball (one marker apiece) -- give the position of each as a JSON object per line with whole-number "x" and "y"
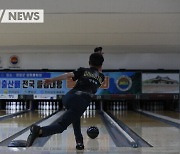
{"x": 92, "y": 132}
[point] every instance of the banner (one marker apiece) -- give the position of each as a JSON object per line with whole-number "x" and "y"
{"x": 160, "y": 83}
{"x": 45, "y": 96}
{"x": 8, "y": 96}
{"x": 30, "y": 83}
{"x": 122, "y": 83}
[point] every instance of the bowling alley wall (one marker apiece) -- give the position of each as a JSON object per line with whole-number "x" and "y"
{"x": 73, "y": 58}
{"x": 132, "y": 85}
{"x": 136, "y": 77}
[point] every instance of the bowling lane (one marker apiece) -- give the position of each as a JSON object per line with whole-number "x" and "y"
{"x": 153, "y": 131}
{"x": 171, "y": 114}
{"x": 66, "y": 141}
{"x": 13, "y": 125}
{"x": 7, "y": 112}
{"x": 2, "y": 113}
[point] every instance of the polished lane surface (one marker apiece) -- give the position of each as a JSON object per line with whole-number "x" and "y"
{"x": 103, "y": 144}
{"x": 153, "y": 131}
{"x": 13, "y": 125}
{"x": 66, "y": 141}
{"x": 171, "y": 114}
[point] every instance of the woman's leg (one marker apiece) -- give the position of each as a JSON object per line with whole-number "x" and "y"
{"x": 77, "y": 130}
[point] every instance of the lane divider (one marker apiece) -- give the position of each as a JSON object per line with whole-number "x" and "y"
{"x": 5, "y": 142}
{"x": 168, "y": 120}
{"x": 21, "y": 140}
{"x": 4, "y": 117}
{"x": 128, "y": 137}
{"x": 139, "y": 140}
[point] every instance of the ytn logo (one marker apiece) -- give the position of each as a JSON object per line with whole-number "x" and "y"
{"x": 22, "y": 16}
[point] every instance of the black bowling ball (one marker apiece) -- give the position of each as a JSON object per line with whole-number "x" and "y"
{"x": 93, "y": 132}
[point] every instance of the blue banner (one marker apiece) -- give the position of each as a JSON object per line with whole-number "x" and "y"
{"x": 122, "y": 83}
{"x": 31, "y": 83}
{"x": 28, "y": 83}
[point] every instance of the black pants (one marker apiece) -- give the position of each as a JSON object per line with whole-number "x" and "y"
{"x": 75, "y": 105}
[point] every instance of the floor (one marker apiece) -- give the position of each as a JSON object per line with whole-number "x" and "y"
{"x": 163, "y": 137}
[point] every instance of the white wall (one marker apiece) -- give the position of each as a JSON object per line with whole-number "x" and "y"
{"x": 75, "y": 60}
{"x": 143, "y": 61}
{"x": 118, "y": 25}
{"x": 91, "y": 22}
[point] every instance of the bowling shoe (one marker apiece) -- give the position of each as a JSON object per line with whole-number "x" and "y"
{"x": 33, "y": 135}
{"x": 79, "y": 146}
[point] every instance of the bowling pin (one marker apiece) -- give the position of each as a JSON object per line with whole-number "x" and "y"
{"x": 47, "y": 105}
{"x": 50, "y": 107}
{"x": 25, "y": 105}
{"x": 87, "y": 114}
{"x": 57, "y": 107}
{"x": 90, "y": 107}
{"x": 117, "y": 105}
{"x": 21, "y": 106}
{"x": 39, "y": 105}
{"x": 41, "y": 108}
{"x": 54, "y": 106}
{"x": 114, "y": 106}
{"x": 16, "y": 105}
{"x": 44, "y": 106}
{"x": 94, "y": 106}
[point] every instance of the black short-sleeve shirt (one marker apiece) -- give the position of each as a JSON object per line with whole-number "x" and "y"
{"x": 88, "y": 79}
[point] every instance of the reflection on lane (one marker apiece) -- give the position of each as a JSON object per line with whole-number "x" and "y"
{"x": 66, "y": 140}
{"x": 154, "y": 132}
{"x": 13, "y": 125}
{"x": 171, "y": 114}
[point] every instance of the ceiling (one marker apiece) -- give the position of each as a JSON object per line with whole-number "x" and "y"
{"x": 117, "y": 25}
